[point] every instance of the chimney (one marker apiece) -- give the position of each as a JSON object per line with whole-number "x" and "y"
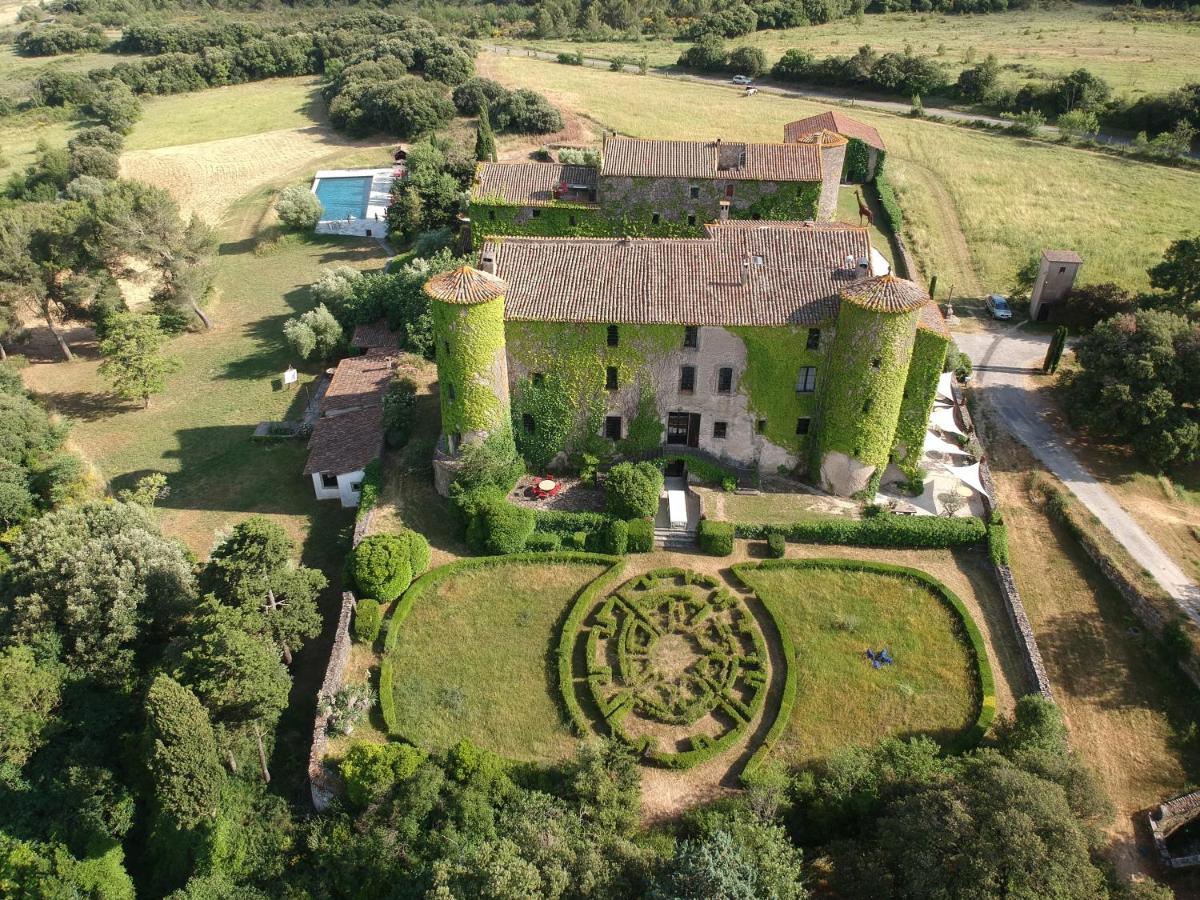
{"x": 464, "y": 234}
{"x": 723, "y": 214}
{"x": 745, "y": 270}
{"x": 487, "y": 260}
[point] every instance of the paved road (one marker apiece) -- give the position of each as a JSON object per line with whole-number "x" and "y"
{"x": 1004, "y": 360}
{"x": 768, "y": 87}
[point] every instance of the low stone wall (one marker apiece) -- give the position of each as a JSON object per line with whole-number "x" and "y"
{"x": 321, "y": 778}
{"x": 1031, "y": 656}
{"x": 1166, "y": 819}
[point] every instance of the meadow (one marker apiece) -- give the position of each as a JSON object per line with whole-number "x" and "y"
{"x": 977, "y": 205}
{"x": 1134, "y": 57}
{"x": 832, "y": 617}
{"x": 474, "y": 659}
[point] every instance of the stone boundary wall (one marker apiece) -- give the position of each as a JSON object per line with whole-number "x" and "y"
{"x": 320, "y": 776}
{"x": 1035, "y": 667}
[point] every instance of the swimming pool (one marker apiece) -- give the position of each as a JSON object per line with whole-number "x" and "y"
{"x": 344, "y": 197}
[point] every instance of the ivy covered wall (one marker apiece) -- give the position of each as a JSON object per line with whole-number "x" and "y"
{"x": 920, "y": 390}
{"x": 472, "y": 367}
{"x": 774, "y": 358}
{"x": 494, "y": 217}
{"x": 860, "y": 398}
{"x": 639, "y": 199}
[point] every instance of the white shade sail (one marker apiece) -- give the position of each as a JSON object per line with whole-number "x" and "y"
{"x": 943, "y": 418}
{"x": 969, "y": 475}
{"x": 944, "y": 389}
{"x": 937, "y": 444}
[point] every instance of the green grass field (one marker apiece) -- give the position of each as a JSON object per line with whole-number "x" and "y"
{"x": 977, "y": 205}
{"x": 474, "y": 659}
{"x": 841, "y": 701}
{"x": 1135, "y": 58}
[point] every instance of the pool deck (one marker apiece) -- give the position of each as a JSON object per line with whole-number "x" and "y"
{"x": 374, "y": 224}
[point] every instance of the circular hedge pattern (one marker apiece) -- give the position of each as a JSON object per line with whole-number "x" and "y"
{"x": 676, "y": 665}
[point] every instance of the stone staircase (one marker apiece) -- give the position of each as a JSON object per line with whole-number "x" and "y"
{"x": 678, "y": 516}
{"x": 675, "y": 538}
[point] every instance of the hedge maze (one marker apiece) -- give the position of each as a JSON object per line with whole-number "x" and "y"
{"x": 676, "y": 665}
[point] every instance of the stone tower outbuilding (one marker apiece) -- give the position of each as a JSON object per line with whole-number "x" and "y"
{"x": 1055, "y": 278}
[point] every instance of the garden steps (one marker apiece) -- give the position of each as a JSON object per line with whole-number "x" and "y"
{"x": 673, "y": 538}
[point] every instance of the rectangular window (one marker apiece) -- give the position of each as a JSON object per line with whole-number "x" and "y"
{"x": 450, "y": 391}
{"x": 729, "y": 190}
{"x": 491, "y": 215}
{"x": 692, "y": 220}
{"x": 802, "y": 426}
{"x": 536, "y": 213}
{"x": 814, "y": 339}
{"x": 655, "y": 218}
{"x": 355, "y": 487}
{"x": 719, "y": 430}
{"x": 527, "y": 422}
{"x": 691, "y": 337}
{"x": 614, "y": 336}
{"x": 571, "y": 219}
{"x": 687, "y": 379}
{"x": 724, "y": 380}
{"x": 807, "y": 382}
{"x": 695, "y": 192}
{"x": 612, "y": 427}
{"x": 610, "y": 378}
{"x": 761, "y": 425}
{"x": 328, "y": 480}
{"x": 1062, "y": 270}
{"x": 538, "y": 379}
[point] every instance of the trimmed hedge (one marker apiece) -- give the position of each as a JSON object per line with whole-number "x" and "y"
{"x": 986, "y": 684}
{"x": 715, "y": 538}
{"x": 381, "y": 566}
{"x": 368, "y": 494}
{"x": 615, "y": 537}
{"x": 367, "y": 620}
{"x": 432, "y": 579}
{"x": 997, "y": 538}
{"x": 555, "y": 522}
{"x": 881, "y": 530}
{"x": 543, "y": 543}
{"x": 503, "y": 527}
{"x": 641, "y": 536}
{"x": 776, "y": 545}
{"x": 632, "y": 490}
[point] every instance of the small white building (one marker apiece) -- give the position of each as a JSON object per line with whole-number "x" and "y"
{"x": 339, "y": 451}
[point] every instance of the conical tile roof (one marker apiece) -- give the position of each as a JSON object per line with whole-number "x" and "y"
{"x": 885, "y": 293}
{"x": 465, "y": 285}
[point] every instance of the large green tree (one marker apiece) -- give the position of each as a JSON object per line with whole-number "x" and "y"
{"x": 1178, "y": 277}
{"x": 181, "y": 752}
{"x": 133, "y": 359}
{"x": 254, "y": 568}
{"x": 103, "y": 577}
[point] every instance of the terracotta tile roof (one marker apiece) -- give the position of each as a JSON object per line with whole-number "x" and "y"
{"x": 833, "y": 120}
{"x": 760, "y": 274}
{"x": 465, "y": 285}
{"x": 931, "y": 319}
{"x": 345, "y": 443}
{"x": 359, "y": 381}
{"x": 886, "y": 293}
{"x": 1062, "y": 256}
{"x": 533, "y": 183}
{"x": 376, "y": 335}
{"x": 699, "y": 159}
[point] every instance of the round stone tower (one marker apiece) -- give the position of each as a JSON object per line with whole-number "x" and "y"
{"x": 862, "y": 386}
{"x": 467, "y": 307}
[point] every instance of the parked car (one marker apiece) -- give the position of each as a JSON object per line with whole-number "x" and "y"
{"x": 743, "y": 79}
{"x": 998, "y": 307}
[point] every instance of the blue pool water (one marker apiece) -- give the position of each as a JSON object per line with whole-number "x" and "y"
{"x": 343, "y": 197}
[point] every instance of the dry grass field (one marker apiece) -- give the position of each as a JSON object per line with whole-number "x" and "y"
{"x": 1135, "y": 58}
{"x": 977, "y": 205}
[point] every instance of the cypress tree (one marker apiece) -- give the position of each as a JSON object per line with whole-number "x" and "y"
{"x": 1055, "y": 351}
{"x": 485, "y": 138}
{"x": 182, "y": 751}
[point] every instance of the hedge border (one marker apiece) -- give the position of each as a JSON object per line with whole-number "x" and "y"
{"x": 985, "y": 681}
{"x": 936, "y": 532}
{"x": 431, "y": 579}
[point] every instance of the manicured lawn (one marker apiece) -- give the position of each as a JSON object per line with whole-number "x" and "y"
{"x": 833, "y": 616}
{"x": 775, "y": 509}
{"x": 976, "y": 205}
{"x": 474, "y": 659}
{"x": 1134, "y": 57}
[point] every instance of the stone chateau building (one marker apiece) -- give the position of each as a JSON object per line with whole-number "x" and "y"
{"x": 661, "y": 188}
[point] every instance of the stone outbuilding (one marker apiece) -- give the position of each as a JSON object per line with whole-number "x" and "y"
{"x": 866, "y": 149}
{"x": 1055, "y": 278}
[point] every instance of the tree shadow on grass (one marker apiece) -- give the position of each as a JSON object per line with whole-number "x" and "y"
{"x": 87, "y": 406}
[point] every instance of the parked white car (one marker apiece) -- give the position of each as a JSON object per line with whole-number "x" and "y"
{"x": 998, "y": 307}
{"x": 743, "y": 79}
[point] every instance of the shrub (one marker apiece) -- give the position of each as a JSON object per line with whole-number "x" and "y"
{"x": 372, "y": 770}
{"x": 298, "y": 208}
{"x": 95, "y": 161}
{"x": 748, "y": 61}
{"x": 418, "y": 551}
{"x": 541, "y": 542}
{"x": 381, "y": 566}
{"x": 576, "y": 540}
{"x": 776, "y": 545}
{"x": 641, "y": 535}
{"x": 470, "y": 96}
{"x": 503, "y": 527}
{"x": 997, "y": 538}
{"x": 367, "y": 620}
{"x": 615, "y": 537}
{"x": 525, "y": 111}
{"x": 632, "y": 490}
{"x": 715, "y": 538}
